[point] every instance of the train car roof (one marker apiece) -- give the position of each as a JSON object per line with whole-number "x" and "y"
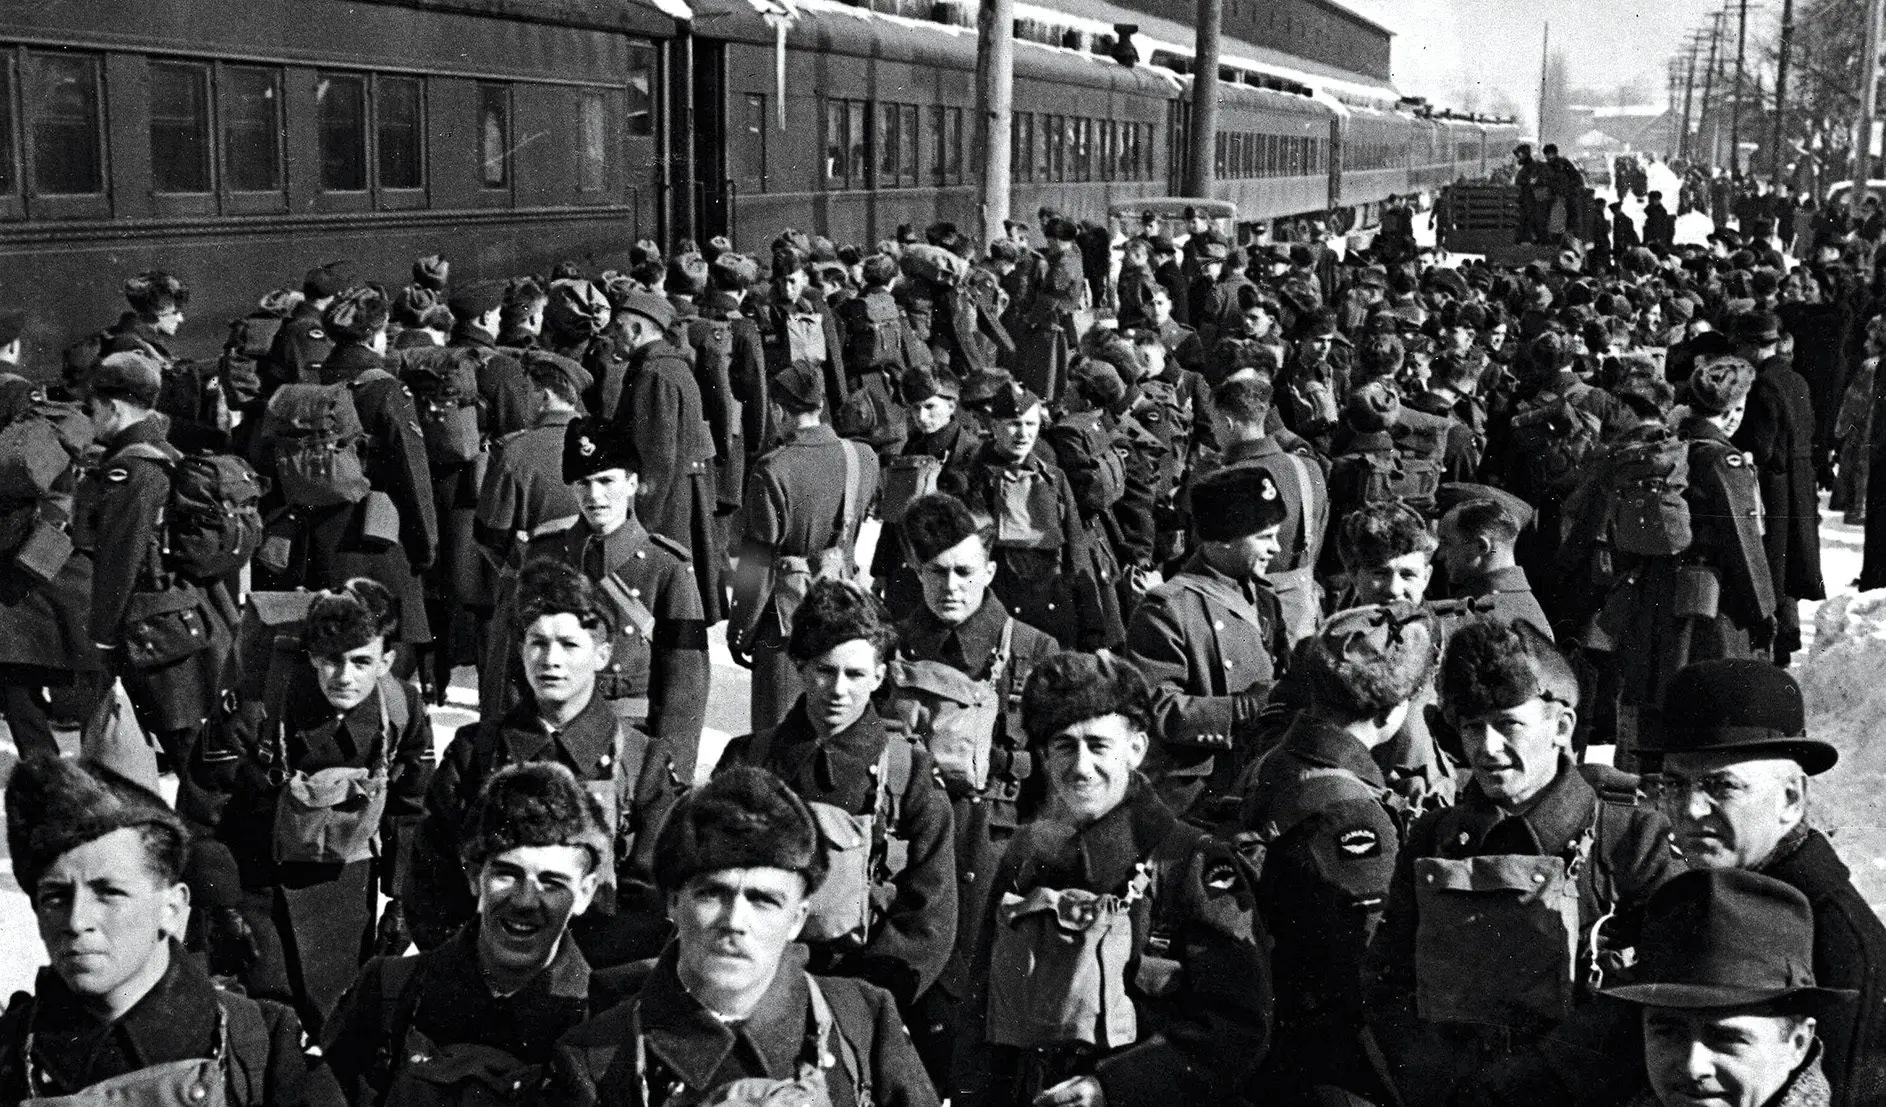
{"x": 647, "y": 17}
{"x": 1270, "y": 99}
{"x": 840, "y": 28}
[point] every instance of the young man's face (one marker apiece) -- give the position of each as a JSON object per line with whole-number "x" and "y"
{"x": 732, "y": 926}
{"x": 1514, "y": 752}
{"x": 104, "y": 915}
{"x": 561, "y": 660}
{"x": 607, "y": 499}
{"x": 347, "y": 679}
{"x": 168, "y": 320}
{"x": 1015, "y": 438}
{"x": 526, "y": 899}
{"x": 1249, "y": 556}
{"x": 1733, "y": 1057}
{"x": 934, "y": 413}
{"x": 839, "y": 684}
{"x": 1090, "y": 765}
{"x": 956, "y": 581}
{"x": 1400, "y": 580}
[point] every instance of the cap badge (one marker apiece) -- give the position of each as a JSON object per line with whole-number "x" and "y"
{"x": 585, "y": 446}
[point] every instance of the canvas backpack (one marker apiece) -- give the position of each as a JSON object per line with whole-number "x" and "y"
{"x": 444, "y": 384}
{"x": 1368, "y": 477}
{"x": 248, "y": 345}
{"x": 1160, "y": 411}
{"x": 313, "y": 435}
{"x": 874, "y": 327}
{"x": 212, "y": 523}
{"x": 1554, "y": 438}
{"x": 1649, "y": 514}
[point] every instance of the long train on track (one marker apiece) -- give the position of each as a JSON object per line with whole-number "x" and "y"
{"x": 237, "y": 142}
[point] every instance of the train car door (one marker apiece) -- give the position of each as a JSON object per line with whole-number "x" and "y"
{"x": 716, "y": 113}
{"x": 1335, "y": 165}
{"x": 1178, "y": 137}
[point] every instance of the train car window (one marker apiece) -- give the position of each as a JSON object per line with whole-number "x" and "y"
{"x": 593, "y": 152}
{"x": 1073, "y": 155}
{"x": 909, "y": 143}
{"x": 1218, "y": 153}
{"x": 68, "y": 158}
{"x": 858, "y": 129}
{"x": 837, "y": 145}
{"x": 1020, "y": 127}
{"x": 950, "y": 138}
{"x": 494, "y": 136}
{"x": 752, "y": 158}
{"x": 888, "y": 134}
{"x": 399, "y": 130}
{"x": 9, "y": 154}
{"x": 341, "y": 105}
{"x": 249, "y": 107}
{"x": 642, "y": 90}
{"x": 180, "y": 127}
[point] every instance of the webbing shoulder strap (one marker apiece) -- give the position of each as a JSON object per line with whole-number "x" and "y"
{"x": 630, "y": 758}
{"x": 825, "y": 1026}
{"x": 848, "y": 512}
{"x": 1319, "y": 788}
{"x": 248, "y": 1045}
{"x": 1310, "y": 545}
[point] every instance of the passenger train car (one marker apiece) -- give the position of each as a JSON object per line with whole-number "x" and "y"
{"x": 238, "y": 142}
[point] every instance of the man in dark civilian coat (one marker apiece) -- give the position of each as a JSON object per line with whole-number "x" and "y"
{"x": 1778, "y": 431}
{"x": 1735, "y": 757}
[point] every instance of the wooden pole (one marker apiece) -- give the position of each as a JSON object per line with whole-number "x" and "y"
{"x": 995, "y": 115}
{"x": 1781, "y": 89}
{"x": 1869, "y": 96}
{"x": 1709, "y": 88}
{"x": 1735, "y": 97}
{"x": 1545, "y": 63}
{"x": 1201, "y": 163}
{"x": 1689, "y": 101}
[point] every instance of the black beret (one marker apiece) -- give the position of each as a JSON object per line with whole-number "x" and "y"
{"x": 1234, "y": 502}
{"x": 473, "y": 300}
{"x": 799, "y": 387}
{"x": 1738, "y": 705}
{"x": 743, "y": 818}
{"x": 535, "y": 803}
{"x": 1009, "y": 399}
{"x": 54, "y": 806}
{"x": 934, "y": 523}
{"x": 591, "y": 446}
{"x": 1070, "y": 688}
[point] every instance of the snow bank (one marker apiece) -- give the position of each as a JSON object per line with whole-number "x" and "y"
{"x": 1843, "y": 682}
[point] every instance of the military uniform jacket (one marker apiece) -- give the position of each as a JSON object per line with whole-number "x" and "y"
{"x": 1630, "y": 857}
{"x": 911, "y": 941}
{"x": 1212, "y": 648}
{"x": 1724, "y": 524}
{"x": 691, "y": 1052}
{"x": 661, "y": 651}
{"x": 1849, "y": 952}
{"x": 983, "y": 822}
{"x": 1778, "y": 432}
{"x": 1209, "y": 1027}
{"x": 661, "y": 408}
{"x": 1510, "y": 595}
{"x": 175, "y": 1021}
{"x": 796, "y": 491}
{"x": 523, "y": 492}
{"x": 439, "y": 998}
{"x": 746, "y": 376}
{"x": 437, "y": 897}
{"x": 1289, "y": 474}
{"x": 504, "y": 392}
{"x": 710, "y": 344}
{"x": 1045, "y": 578}
{"x": 300, "y": 347}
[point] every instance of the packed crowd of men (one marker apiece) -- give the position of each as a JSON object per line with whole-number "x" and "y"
{"x": 1208, "y": 725}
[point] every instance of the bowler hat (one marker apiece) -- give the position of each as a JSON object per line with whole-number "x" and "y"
{"x": 1739, "y": 705}
{"x": 1725, "y": 938}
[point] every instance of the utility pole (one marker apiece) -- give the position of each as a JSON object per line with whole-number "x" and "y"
{"x": 1545, "y": 63}
{"x": 1735, "y": 101}
{"x": 1869, "y": 97}
{"x": 1781, "y": 88}
{"x": 1202, "y": 163}
{"x": 1709, "y": 86}
{"x": 1689, "y": 99}
{"x": 995, "y": 116}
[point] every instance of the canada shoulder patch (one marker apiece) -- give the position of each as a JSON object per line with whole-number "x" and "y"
{"x": 1735, "y": 461}
{"x": 1221, "y": 876}
{"x": 117, "y": 474}
{"x": 1359, "y": 842}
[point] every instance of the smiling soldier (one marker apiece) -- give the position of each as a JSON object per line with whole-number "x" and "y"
{"x": 484, "y": 1010}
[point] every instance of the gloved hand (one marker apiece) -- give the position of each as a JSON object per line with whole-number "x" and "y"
{"x": 230, "y": 942}
{"x": 392, "y": 939}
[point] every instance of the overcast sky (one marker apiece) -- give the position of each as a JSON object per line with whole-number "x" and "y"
{"x": 1445, "y": 47}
